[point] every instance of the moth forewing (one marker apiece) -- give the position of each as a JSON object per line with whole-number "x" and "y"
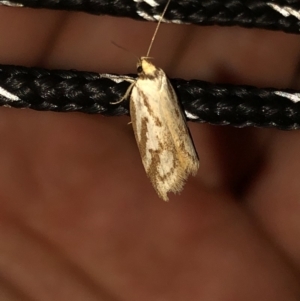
{"x": 177, "y": 125}
{"x": 163, "y": 139}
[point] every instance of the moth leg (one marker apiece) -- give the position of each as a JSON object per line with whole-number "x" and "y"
{"x": 125, "y": 95}
{"x": 117, "y": 78}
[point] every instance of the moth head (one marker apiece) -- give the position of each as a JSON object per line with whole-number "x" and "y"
{"x": 144, "y": 66}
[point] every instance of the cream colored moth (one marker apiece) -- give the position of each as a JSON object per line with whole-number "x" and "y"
{"x": 166, "y": 147}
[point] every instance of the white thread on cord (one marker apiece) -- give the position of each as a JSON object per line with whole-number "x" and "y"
{"x": 294, "y": 97}
{"x": 157, "y": 17}
{"x": 9, "y": 3}
{"x": 150, "y": 2}
{"x": 145, "y": 15}
{"x": 286, "y": 11}
{"x": 148, "y": 17}
{"x": 190, "y": 115}
{"x": 8, "y": 95}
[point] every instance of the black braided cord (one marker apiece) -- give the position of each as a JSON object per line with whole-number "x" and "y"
{"x": 76, "y": 91}
{"x": 245, "y": 13}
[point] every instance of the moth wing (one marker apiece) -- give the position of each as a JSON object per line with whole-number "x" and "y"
{"x": 163, "y": 139}
{"x": 176, "y": 122}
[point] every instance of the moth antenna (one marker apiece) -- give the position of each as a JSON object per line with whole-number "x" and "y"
{"x": 156, "y": 29}
{"x": 125, "y": 49}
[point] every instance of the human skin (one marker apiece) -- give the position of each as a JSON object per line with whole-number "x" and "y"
{"x": 79, "y": 219}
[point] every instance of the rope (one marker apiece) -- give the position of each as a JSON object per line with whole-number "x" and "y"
{"x": 72, "y": 91}
{"x": 281, "y": 15}
{"x": 75, "y": 91}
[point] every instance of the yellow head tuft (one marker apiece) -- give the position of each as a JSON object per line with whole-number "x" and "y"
{"x": 144, "y": 66}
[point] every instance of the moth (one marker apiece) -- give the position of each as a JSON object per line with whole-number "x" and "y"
{"x": 165, "y": 144}
{"x": 160, "y": 129}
